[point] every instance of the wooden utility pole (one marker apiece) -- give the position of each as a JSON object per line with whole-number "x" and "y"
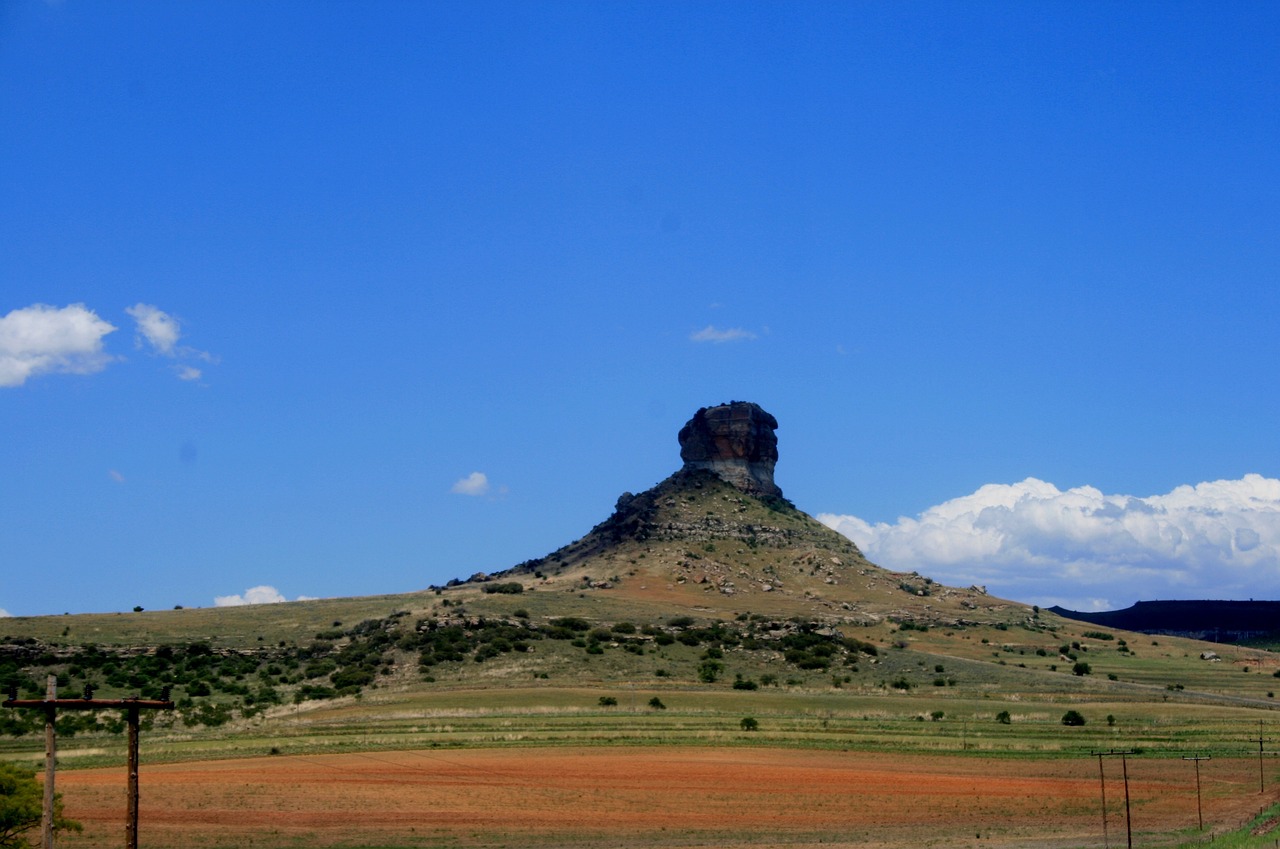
{"x": 50, "y": 704}
{"x": 1196, "y": 760}
{"x": 1128, "y": 820}
{"x": 50, "y": 760}
{"x": 1261, "y": 772}
{"x": 1102, "y": 781}
{"x": 131, "y": 818}
{"x": 1124, "y": 765}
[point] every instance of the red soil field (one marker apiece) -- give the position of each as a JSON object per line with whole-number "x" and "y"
{"x": 653, "y": 797}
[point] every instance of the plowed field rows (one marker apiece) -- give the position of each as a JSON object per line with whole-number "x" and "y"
{"x": 616, "y": 798}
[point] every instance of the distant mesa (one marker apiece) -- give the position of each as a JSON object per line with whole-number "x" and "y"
{"x": 736, "y": 441}
{"x": 1215, "y": 621}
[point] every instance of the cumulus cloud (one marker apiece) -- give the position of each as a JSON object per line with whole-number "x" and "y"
{"x": 714, "y": 334}
{"x": 41, "y": 339}
{"x": 255, "y": 595}
{"x": 1084, "y": 549}
{"x": 476, "y": 483}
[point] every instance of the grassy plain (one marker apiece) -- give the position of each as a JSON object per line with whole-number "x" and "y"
{"x": 744, "y": 680}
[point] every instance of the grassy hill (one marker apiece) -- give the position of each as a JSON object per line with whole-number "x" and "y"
{"x": 693, "y": 608}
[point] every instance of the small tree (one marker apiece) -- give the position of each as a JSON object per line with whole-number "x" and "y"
{"x": 1072, "y": 717}
{"x": 656, "y": 704}
{"x": 1003, "y": 717}
{"x": 749, "y": 723}
{"x": 21, "y": 805}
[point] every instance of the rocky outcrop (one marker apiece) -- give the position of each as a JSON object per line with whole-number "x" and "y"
{"x": 735, "y": 441}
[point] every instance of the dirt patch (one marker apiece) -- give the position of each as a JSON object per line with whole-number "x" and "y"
{"x": 631, "y": 798}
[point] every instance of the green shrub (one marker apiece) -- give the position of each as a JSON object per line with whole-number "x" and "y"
{"x": 357, "y": 676}
{"x": 656, "y": 704}
{"x": 608, "y": 701}
{"x": 508, "y": 588}
{"x": 749, "y": 723}
{"x": 22, "y": 804}
{"x": 1073, "y": 718}
{"x": 1003, "y": 717}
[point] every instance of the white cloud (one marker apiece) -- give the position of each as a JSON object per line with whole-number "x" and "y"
{"x": 4, "y": 614}
{"x": 40, "y": 339}
{"x": 157, "y": 327}
{"x": 1084, "y": 549}
{"x": 162, "y": 331}
{"x": 711, "y": 333}
{"x": 256, "y": 595}
{"x": 115, "y": 476}
{"x": 476, "y": 483}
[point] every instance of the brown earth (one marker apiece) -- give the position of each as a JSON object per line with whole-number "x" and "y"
{"x": 660, "y": 797}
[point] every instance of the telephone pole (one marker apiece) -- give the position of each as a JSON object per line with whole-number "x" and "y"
{"x": 1124, "y": 765}
{"x": 50, "y": 705}
{"x": 1261, "y": 771}
{"x": 1196, "y": 760}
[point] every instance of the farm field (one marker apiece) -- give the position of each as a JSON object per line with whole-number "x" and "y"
{"x": 704, "y": 669}
{"x": 657, "y": 797}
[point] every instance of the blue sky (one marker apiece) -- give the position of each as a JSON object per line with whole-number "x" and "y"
{"x": 322, "y": 299}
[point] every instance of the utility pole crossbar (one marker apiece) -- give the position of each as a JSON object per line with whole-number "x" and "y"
{"x": 50, "y": 705}
{"x": 87, "y": 704}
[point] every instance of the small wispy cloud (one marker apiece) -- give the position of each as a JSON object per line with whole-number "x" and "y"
{"x": 4, "y": 614}
{"x": 476, "y": 483}
{"x": 718, "y": 336}
{"x": 256, "y": 595}
{"x": 115, "y": 476}
{"x": 41, "y": 339}
{"x": 1087, "y": 550}
{"x": 161, "y": 332}
{"x": 156, "y": 327}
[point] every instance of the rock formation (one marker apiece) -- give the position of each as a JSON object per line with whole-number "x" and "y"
{"x": 737, "y": 442}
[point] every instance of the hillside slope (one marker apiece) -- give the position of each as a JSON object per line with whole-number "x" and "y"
{"x": 695, "y": 540}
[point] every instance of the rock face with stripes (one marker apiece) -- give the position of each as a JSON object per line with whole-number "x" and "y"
{"x": 736, "y": 441}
